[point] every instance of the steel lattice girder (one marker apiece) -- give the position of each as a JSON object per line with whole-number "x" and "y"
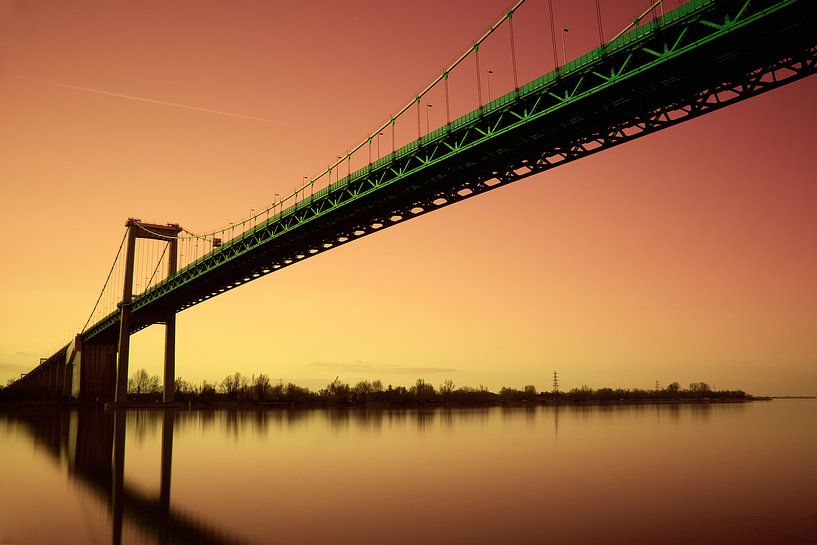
{"x": 704, "y": 56}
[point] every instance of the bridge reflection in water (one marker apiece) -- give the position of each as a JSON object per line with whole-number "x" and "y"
{"x": 93, "y": 444}
{"x": 460, "y": 476}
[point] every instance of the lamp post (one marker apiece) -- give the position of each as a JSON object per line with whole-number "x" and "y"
{"x": 428, "y": 123}
{"x": 337, "y": 174}
{"x": 564, "y": 49}
{"x": 489, "y": 84}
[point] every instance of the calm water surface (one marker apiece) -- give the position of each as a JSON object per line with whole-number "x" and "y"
{"x": 742, "y": 473}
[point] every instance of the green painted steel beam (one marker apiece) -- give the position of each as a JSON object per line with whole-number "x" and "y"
{"x": 542, "y": 106}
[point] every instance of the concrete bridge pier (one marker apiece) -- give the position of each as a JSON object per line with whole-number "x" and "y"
{"x": 54, "y": 386}
{"x": 169, "y": 395}
{"x": 123, "y": 350}
{"x": 68, "y": 369}
{"x": 88, "y": 371}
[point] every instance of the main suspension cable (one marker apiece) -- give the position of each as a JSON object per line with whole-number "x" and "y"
{"x": 157, "y": 267}
{"x": 107, "y": 279}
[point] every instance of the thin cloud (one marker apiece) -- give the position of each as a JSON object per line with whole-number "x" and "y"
{"x": 370, "y": 367}
{"x": 8, "y": 367}
{"x": 150, "y": 100}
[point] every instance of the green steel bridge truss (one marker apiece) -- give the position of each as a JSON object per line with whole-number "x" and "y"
{"x": 702, "y": 56}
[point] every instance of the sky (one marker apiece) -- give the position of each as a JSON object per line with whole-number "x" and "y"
{"x": 689, "y": 255}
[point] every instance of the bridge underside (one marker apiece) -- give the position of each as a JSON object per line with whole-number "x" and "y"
{"x": 671, "y": 74}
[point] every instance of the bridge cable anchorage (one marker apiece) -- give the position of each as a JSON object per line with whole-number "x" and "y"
{"x": 115, "y": 261}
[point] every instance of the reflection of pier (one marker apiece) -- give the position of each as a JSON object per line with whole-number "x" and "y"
{"x": 94, "y": 445}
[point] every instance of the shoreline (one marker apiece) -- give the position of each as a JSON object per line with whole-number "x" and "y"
{"x": 377, "y": 405}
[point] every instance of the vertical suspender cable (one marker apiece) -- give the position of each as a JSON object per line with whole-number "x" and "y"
{"x": 553, "y": 36}
{"x": 136, "y": 264}
{"x": 513, "y": 51}
{"x": 447, "y": 106}
{"x": 479, "y": 83}
{"x": 107, "y": 280}
{"x": 419, "y": 127}
{"x": 598, "y": 17}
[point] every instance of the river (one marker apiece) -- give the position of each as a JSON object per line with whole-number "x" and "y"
{"x": 698, "y": 473}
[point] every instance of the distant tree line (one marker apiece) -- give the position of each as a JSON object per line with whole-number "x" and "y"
{"x": 238, "y": 388}
{"x": 673, "y": 392}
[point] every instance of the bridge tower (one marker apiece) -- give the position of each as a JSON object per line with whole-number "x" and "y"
{"x": 167, "y": 233}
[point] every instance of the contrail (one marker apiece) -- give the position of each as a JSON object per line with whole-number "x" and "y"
{"x": 150, "y": 100}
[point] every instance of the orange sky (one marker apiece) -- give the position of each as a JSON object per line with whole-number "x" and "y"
{"x": 688, "y": 255}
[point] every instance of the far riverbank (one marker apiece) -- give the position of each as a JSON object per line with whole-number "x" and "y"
{"x": 258, "y": 391}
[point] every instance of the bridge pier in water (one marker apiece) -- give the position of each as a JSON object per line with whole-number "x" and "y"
{"x": 167, "y": 233}
{"x": 93, "y": 369}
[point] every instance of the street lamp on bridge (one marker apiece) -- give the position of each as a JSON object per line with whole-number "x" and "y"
{"x": 564, "y": 49}
{"x": 337, "y": 174}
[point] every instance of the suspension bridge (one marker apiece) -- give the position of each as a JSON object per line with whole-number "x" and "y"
{"x": 666, "y": 67}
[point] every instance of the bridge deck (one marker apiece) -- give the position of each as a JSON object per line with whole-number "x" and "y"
{"x": 704, "y": 55}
